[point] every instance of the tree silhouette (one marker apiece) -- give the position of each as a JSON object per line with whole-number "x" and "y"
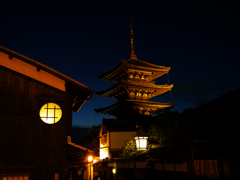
{"x": 90, "y": 139}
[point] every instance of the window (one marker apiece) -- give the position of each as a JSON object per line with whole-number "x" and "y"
{"x": 50, "y": 113}
{"x": 139, "y": 94}
{"x": 132, "y": 93}
{"x": 147, "y": 113}
{"x": 56, "y": 176}
{"x": 137, "y": 76}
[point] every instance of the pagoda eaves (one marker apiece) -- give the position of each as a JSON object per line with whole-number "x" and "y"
{"x": 135, "y": 86}
{"x": 135, "y": 90}
{"x": 132, "y": 107}
{"x": 136, "y": 67}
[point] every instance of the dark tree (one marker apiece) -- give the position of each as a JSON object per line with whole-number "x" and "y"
{"x": 90, "y": 139}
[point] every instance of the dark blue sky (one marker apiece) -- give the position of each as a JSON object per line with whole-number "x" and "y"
{"x": 199, "y": 41}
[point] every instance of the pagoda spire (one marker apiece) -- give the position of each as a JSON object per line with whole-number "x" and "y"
{"x": 131, "y": 42}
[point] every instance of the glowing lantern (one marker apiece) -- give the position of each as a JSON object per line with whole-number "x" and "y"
{"x": 90, "y": 160}
{"x": 141, "y": 140}
{"x": 114, "y": 170}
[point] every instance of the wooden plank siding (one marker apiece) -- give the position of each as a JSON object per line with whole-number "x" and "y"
{"x": 206, "y": 169}
{"x": 170, "y": 175}
{"x": 25, "y": 140}
{"x": 216, "y": 169}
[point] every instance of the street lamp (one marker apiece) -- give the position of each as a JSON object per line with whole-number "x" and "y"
{"x": 141, "y": 139}
{"x": 114, "y": 170}
{"x": 90, "y": 160}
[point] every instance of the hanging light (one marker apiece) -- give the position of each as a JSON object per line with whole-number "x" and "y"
{"x": 141, "y": 139}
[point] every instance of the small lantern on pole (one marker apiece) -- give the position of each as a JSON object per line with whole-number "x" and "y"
{"x": 141, "y": 139}
{"x": 114, "y": 170}
{"x": 90, "y": 160}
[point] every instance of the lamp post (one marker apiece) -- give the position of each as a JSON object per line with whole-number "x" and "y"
{"x": 141, "y": 139}
{"x": 90, "y": 160}
{"x": 114, "y": 172}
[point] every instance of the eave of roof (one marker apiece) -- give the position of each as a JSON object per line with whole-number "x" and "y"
{"x": 118, "y": 125}
{"x": 44, "y": 67}
{"x": 134, "y": 103}
{"x": 80, "y": 147}
{"x": 127, "y": 64}
{"x": 139, "y": 63}
{"x": 115, "y": 70}
{"x": 77, "y": 87}
{"x": 148, "y": 86}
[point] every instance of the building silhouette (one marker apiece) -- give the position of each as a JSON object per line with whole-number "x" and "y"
{"x": 36, "y": 104}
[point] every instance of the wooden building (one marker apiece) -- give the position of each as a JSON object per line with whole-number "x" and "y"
{"x": 113, "y": 135}
{"x": 36, "y": 104}
{"x": 134, "y": 87}
{"x": 77, "y": 164}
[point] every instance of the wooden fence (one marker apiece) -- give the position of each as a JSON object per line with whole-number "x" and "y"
{"x": 217, "y": 169}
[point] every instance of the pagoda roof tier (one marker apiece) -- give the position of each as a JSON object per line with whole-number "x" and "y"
{"x": 128, "y": 107}
{"x": 130, "y": 65}
{"x": 148, "y": 89}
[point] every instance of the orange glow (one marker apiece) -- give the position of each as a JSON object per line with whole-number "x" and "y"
{"x": 132, "y": 93}
{"x": 139, "y": 94}
{"x": 147, "y": 113}
{"x": 31, "y": 71}
{"x": 50, "y": 113}
{"x": 90, "y": 159}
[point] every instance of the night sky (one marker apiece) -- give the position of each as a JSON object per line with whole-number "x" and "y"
{"x": 199, "y": 41}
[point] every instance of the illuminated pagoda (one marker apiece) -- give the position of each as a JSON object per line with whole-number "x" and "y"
{"x": 134, "y": 87}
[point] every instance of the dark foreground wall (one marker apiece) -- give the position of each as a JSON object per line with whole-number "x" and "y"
{"x": 27, "y": 144}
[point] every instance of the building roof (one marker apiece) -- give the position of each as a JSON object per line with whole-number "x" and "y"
{"x": 77, "y": 146}
{"x": 81, "y": 91}
{"x": 122, "y": 86}
{"x": 218, "y": 119}
{"x": 116, "y": 125}
{"x": 131, "y": 105}
{"x": 135, "y": 64}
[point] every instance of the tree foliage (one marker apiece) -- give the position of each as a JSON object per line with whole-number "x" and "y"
{"x": 173, "y": 129}
{"x": 130, "y": 150}
{"x": 90, "y": 139}
{"x": 164, "y": 126}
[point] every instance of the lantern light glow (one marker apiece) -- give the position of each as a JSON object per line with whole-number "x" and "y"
{"x": 141, "y": 139}
{"x": 90, "y": 159}
{"x": 141, "y": 143}
{"x": 50, "y": 113}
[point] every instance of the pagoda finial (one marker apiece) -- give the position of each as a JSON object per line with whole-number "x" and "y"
{"x": 131, "y": 42}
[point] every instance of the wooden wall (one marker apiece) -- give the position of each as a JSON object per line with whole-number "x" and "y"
{"x": 25, "y": 140}
{"x": 219, "y": 160}
{"x": 217, "y": 169}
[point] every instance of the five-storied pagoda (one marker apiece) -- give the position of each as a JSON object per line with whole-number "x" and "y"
{"x": 134, "y": 87}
